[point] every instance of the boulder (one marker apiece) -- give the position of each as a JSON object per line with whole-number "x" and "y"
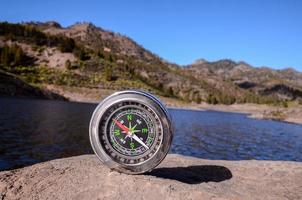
{"x": 177, "y": 177}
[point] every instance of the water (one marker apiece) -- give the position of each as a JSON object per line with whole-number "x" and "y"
{"x": 33, "y": 131}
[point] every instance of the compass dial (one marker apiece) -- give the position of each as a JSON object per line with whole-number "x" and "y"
{"x": 131, "y": 132}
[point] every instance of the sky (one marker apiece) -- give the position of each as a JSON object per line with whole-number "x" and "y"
{"x": 259, "y": 32}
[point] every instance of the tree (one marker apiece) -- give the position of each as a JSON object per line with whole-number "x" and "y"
{"x": 68, "y": 64}
{"x": 18, "y": 56}
{"x": 13, "y": 55}
{"x": 5, "y": 56}
{"x": 212, "y": 99}
{"x": 110, "y": 58}
{"x": 108, "y": 73}
{"x": 285, "y": 104}
{"x": 66, "y": 44}
{"x": 170, "y": 92}
{"x": 197, "y": 98}
{"x": 101, "y": 54}
{"x": 81, "y": 54}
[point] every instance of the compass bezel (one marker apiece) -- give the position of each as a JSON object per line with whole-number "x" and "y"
{"x": 140, "y": 97}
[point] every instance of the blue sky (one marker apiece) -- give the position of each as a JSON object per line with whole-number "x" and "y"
{"x": 260, "y": 32}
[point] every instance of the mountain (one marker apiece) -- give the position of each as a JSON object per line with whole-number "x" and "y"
{"x": 87, "y": 56}
{"x": 281, "y": 84}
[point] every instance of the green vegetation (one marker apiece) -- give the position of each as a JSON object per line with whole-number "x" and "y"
{"x": 212, "y": 99}
{"x": 276, "y": 115}
{"x": 285, "y": 104}
{"x": 68, "y": 64}
{"x": 29, "y": 34}
{"x": 81, "y": 53}
{"x": 109, "y": 73}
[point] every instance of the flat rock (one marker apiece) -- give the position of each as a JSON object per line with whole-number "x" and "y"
{"x": 178, "y": 177}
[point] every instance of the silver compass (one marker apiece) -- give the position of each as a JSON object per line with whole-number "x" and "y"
{"x": 131, "y": 131}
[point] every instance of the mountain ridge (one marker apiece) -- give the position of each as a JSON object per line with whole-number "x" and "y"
{"x": 55, "y": 24}
{"x": 88, "y": 56}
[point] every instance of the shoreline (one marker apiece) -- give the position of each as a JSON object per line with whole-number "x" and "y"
{"x": 84, "y": 177}
{"x": 292, "y": 114}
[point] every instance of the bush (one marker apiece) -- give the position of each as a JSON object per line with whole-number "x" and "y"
{"x": 101, "y": 54}
{"x": 285, "y": 104}
{"x": 111, "y": 58}
{"x": 212, "y": 99}
{"x": 197, "y": 98}
{"x": 68, "y": 64}
{"x": 81, "y": 54}
{"x": 66, "y": 44}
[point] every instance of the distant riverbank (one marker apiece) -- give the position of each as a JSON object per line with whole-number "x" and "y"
{"x": 291, "y": 114}
{"x": 18, "y": 88}
{"x": 261, "y": 111}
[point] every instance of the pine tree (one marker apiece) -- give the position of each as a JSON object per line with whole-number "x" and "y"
{"x": 101, "y": 54}
{"x": 170, "y": 92}
{"x": 212, "y": 99}
{"x": 5, "y": 56}
{"x": 18, "y": 56}
{"x": 108, "y": 73}
{"x": 110, "y": 58}
{"x": 68, "y": 64}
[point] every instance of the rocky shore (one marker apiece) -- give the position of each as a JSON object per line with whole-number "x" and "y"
{"x": 178, "y": 177}
{"x": 291, "y": 114}
{"x": 12, "y": 86}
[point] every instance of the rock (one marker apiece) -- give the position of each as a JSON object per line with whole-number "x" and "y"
{"x": 178, "y": 177}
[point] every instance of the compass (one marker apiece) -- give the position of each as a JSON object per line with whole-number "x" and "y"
{"x": 131, "y": 131}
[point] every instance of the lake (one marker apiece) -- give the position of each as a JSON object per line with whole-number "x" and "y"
{"x": 32, "y": 131}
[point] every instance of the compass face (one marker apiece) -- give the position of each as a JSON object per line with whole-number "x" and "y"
{"x": 130, "y": 131}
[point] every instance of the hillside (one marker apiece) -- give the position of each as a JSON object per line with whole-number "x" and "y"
{"x": 10, "y": 85}
{"x": 85, "y": 56}
{"x": 280, "y": 84}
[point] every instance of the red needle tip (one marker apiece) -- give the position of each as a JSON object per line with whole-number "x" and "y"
{"x": 124, "y": 128}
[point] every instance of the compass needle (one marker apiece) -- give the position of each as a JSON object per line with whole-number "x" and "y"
{"x": 134, "y": 127}
{"x": 139, "y": 141}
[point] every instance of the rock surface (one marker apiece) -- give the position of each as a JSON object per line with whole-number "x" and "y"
{"x": 178, "y": 177}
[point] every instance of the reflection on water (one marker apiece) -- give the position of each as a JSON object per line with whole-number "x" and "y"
{"x": 33, "y": 131}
